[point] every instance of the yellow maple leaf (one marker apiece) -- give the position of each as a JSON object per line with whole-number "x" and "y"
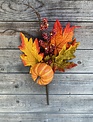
{"x": 30, "y": 51}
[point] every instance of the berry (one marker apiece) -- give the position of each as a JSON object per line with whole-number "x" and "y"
{"x": 45, "y": 36}
{"x": 44, "y": 25}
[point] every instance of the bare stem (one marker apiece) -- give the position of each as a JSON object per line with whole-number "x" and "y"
{"x": 47, "y": 95}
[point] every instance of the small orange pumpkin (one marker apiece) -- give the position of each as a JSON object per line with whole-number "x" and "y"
{"x": 42, "y": 73}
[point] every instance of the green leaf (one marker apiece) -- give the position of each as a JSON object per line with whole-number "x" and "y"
{"x": 62, "y": 60}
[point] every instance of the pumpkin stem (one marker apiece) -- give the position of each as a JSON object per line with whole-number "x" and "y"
{"x": 47, "y": 95}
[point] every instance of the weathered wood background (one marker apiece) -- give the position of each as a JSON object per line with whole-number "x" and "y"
{"x": 70, "y": 93}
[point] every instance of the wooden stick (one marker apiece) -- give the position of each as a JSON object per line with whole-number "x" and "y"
{"x": 47, "y": 95}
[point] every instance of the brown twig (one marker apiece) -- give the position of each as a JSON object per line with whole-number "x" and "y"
{"x": 15, "y": 30}
{"x": 47, "y": 95}
{"x": 36, "y": 12}
{"x": 39, "y": 18}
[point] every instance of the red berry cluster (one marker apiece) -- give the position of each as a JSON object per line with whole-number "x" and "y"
{"x": 45, "y": 43}
{"x": 44, "y": 25}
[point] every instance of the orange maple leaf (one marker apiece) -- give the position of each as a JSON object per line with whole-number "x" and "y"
{"x": 61, "y": 37}
{"x": 30, "y": 51}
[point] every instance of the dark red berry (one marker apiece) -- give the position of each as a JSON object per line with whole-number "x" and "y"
{"x": 45, "y": 36}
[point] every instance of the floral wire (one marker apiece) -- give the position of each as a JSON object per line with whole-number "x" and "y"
{"x": 39, "y": 18}
{"x": 36, "y": 12}
{"x": 15, "y": 30}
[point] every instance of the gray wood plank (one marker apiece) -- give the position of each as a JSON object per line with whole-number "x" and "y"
{"x": 10, "y": 61}
{"x": 72, "y": 10}
{"x": 59, "y": 104}
{"x": 75, "y": 84}
{"x": 70, "y": 93}
{"x": 42, "y": 117}
{"x": 10, "y": 39}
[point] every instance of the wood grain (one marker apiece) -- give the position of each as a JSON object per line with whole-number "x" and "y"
{"x": 70, "y": 93}
{"x": 62, "y": 84}
{"x": 45, "y": 117}
{"x": 10, "y": 61}
{"x": 64, "y": 10}
{"x": 11, "y": 39}
{"x": 60, "y": 104}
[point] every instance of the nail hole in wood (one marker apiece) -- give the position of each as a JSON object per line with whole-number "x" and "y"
{"x": 17, "y": 101}
{"x": 2, "y": 69}
{"x": 79, "y": 62}
{"x": 16, "y": 86}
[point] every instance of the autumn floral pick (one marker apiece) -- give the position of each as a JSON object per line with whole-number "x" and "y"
{"x": 53, "y": 51}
